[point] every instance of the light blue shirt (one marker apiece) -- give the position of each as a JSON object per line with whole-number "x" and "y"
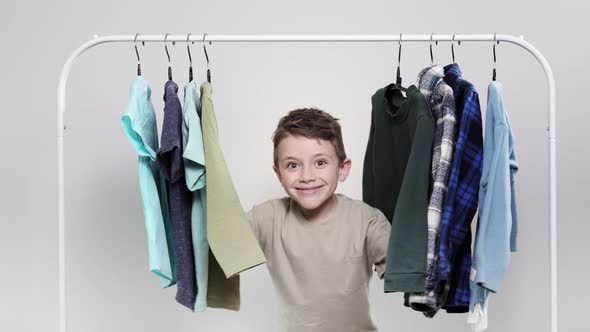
{"x": 194, "y": 170}
{"x": 497, "y": 225}
{"x": 139, "y": 123}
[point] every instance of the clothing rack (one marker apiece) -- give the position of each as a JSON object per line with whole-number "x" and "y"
{"x": 516, "y": 40}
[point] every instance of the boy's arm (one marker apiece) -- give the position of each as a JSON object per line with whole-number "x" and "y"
{"x": 254, "y": 224}
{"x": 261, "y": 219}
{"x": 377, "y": 241}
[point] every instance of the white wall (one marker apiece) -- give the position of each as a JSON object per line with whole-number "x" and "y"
{"x": 109, "y": 286}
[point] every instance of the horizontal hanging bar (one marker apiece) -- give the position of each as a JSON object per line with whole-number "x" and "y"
{"x": 312, "y": 38}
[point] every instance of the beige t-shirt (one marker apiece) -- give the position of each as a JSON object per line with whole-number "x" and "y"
{"x": 322, "y": 271}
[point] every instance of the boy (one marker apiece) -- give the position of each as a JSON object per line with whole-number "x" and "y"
{"x": 320, "y": 246}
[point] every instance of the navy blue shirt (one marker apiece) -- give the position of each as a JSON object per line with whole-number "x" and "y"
{"x": 462, "y": 195}
{"x": 169, "y": 158}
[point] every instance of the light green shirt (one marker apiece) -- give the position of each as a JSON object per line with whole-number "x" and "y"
{"x": 230, "y": 237}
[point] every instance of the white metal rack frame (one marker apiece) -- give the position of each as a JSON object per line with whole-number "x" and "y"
{"x": 517, "y": 40}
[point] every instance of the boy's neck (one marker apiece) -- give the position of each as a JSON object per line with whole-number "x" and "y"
{"x": 322, "y": 213}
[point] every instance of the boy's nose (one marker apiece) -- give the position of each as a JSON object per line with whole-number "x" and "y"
{"x": 307, "y": 174}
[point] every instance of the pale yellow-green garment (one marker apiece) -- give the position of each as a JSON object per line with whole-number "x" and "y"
{"x": 231, "y": 240}
{"x": 322, "y": 271}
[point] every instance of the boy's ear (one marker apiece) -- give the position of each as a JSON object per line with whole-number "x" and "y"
{"x": 277, "y": 172}
{"x": 344, "y": 170}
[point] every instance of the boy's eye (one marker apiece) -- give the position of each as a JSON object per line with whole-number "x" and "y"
{"x": 321, "y": 163}
{"x": 291, "y": 165}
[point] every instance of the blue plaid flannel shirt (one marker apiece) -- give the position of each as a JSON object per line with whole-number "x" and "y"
{"x": 462, "y": 196}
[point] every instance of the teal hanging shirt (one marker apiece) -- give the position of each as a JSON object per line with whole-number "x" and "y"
{"x": 194, "y": 171}
{"x": 139, "y": 124}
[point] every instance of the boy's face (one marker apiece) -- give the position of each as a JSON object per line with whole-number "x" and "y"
{"x": 309, "y": 171}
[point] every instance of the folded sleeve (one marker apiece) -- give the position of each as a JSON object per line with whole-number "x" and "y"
{"x": 377, "y": 239}
{"x": 194, "y": 152}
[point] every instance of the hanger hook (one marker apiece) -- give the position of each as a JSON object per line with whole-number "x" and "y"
{"x": 453, "y": 46}
{"x": 190, "y": 58}
{"x": 166, "y": 47}
{"x": 494, "y": 49}
{"x": 431, "y": 53}
{"x": 207, "y": 57}
{"x": 398, "y": 76}
{"x": 399, "y": 52}
{"x": 135, "y": 45}
{"x": 137, "y": 53}
{"x": 168, "y": 55}
{"x": 496, "y": 42}
{"x": 188, "y": 49}
{"x": 205, "y": 48}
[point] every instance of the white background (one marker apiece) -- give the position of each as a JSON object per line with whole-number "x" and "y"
{"x": 109, "y": 286}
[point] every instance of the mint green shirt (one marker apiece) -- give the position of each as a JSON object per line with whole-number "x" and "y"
{"x": 139, "y": 124}
{"x": 194, "y": 170}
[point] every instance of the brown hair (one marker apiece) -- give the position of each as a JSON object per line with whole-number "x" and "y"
{"x": 310, "y": 123}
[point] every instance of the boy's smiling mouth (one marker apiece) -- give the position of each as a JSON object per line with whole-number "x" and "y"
{"x": 309, "y": 190}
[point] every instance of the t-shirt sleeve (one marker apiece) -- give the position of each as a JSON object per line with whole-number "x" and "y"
{"x": 261, "y": 219}
{"x": 377, "y": 241}
{"x": 169, "y": 155}
{"x": 253, "y": 223}
{"x": 194, "y": 152}
{"x": 134, "y": 131}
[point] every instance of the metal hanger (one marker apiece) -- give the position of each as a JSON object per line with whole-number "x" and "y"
{"x": 453, "y": 46}
{"x": 431, "y": 53}
{"x": 190, "y": 58}
{"x": 137, "y": 53}
{"x": 398, "y": 76}
{"x": 496, "y": 42}
{"x": 207, "y": 57}
{"x": 168, "y": 55}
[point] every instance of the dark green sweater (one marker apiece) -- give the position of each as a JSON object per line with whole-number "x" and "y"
{"x": 396, "y": 179}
